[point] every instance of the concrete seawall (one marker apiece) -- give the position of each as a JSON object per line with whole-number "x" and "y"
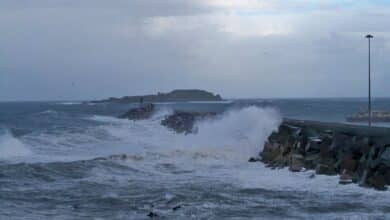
{"x": 358, "y": 154}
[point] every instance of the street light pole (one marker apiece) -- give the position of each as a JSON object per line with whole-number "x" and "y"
{"x": 368, "y": 36}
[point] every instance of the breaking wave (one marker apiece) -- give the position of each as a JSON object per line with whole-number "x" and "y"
{"x": 235, "y": 134}
{"x": 11, "y": 147}
{"x": 69, "y": 103}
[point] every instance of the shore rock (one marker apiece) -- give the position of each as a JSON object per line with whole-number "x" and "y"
{"x": 183, "y": 122}
{"x": 141, "y": 113}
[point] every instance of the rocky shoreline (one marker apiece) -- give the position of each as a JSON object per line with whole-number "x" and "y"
{"x": 179, "y": 121}
{"x": 358, "y": 154}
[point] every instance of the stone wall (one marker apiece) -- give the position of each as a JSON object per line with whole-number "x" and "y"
{"x": 358, "y": 154}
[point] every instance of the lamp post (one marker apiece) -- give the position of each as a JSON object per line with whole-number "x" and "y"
{"x": 369, "y": 36}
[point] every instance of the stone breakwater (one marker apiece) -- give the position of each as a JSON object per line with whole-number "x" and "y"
{"x": 358, "y": 154}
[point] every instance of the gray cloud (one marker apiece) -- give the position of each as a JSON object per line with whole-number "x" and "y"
{"x": 71, "y": 50}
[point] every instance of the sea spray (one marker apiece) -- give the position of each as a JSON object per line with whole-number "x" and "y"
{"x": 10, "y": 146}
{"x": 235, "y": 134}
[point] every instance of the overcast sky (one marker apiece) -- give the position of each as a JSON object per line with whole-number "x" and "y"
{"x": 88, "y": 49}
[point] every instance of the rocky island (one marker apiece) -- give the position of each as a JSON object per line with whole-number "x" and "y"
{"x": 179, "y": 121}
{"x": 173, "y": 96}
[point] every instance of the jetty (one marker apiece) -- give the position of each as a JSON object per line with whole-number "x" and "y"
{"x": 358, "y": 154}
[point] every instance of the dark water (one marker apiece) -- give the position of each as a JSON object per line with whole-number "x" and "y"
{"x": 56, "y": 162}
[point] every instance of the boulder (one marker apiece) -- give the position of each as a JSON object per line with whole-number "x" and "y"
{"x": 345, "y": 178}
{"x": 296, "y": 164}
{"x": 385, "y": 156}
{"x": 270, "y": 152}
{"x": 253, "y": 159}
{"x": 349, "y": 151}
{"x": 183, "y": 122}
{"x": 377, "y": 181}
{"x": 348, "y": 163}
{"x": 141, "y": 113}
{"x": 325, "y": 169}
{"x": 313, "y": 144}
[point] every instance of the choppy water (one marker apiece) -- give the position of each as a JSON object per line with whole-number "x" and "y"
{"x": 56, "y": 163}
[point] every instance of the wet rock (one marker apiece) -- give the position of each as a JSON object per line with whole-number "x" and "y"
{"x": 270, "y": 152}
{"x": 378, "y": 182}
{"x": 125, "y": 157}
{"x": 357, "y": 158}
{"x": 253, "y": 159}
{"x": 345, "y": 178}
{"x": 183, "y": 122}
{"x": 140, "y": 113}
{"x": 296, "y": 164}
{"x": 325, "y": 169}
{"x": 311, "y": 161}
{"x": 385, "y": 157}
{"x": 348, "y": 163}
{"x": 313, "y": 145}
{"x": 176, "y": 208}
{"x": 152, "y": 215}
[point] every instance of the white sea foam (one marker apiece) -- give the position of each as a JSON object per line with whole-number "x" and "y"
{"x": 11, "y": 147}
{"x": 69, "y": 103}
{"x": 220, "y": 150}
{"x": 235, "y": 134}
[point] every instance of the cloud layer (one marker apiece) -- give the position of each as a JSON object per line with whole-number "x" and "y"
{"x": 52, "y": 50}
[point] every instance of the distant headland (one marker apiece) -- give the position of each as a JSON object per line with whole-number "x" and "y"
{"x": 182, "y": 95}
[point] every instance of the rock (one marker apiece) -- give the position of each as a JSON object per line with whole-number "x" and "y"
{"x": 140, "y": 113}
{"x": 385, "y": 157}
{"x": 313, "y": 145}
{"x": 311, "y": 161}
{"x": 270, "y": 152}
{"x": 176, "y": 208}
{"x": 302, "y": 145}
{"x": 296, "y": 164}
{"x": 348, "y": 163}
{"x": 325, "y": 169}
{"x": 125, "y": 157}
{"x": 152, "y": 215}
{"x": 183, "y": 122}
{"x": 345, "y": 178}
{"x": 378, "y": 182}
{"x": 253, "y": 159}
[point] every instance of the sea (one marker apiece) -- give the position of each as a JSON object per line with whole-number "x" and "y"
{"x": 77, "y": 160}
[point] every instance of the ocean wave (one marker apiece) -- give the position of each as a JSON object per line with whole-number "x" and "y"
{"x": 47, "y": 112}
{"x": 11, "y": 147}
{"x": 238, "y": 133}
{"x": 69, "y": 103}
